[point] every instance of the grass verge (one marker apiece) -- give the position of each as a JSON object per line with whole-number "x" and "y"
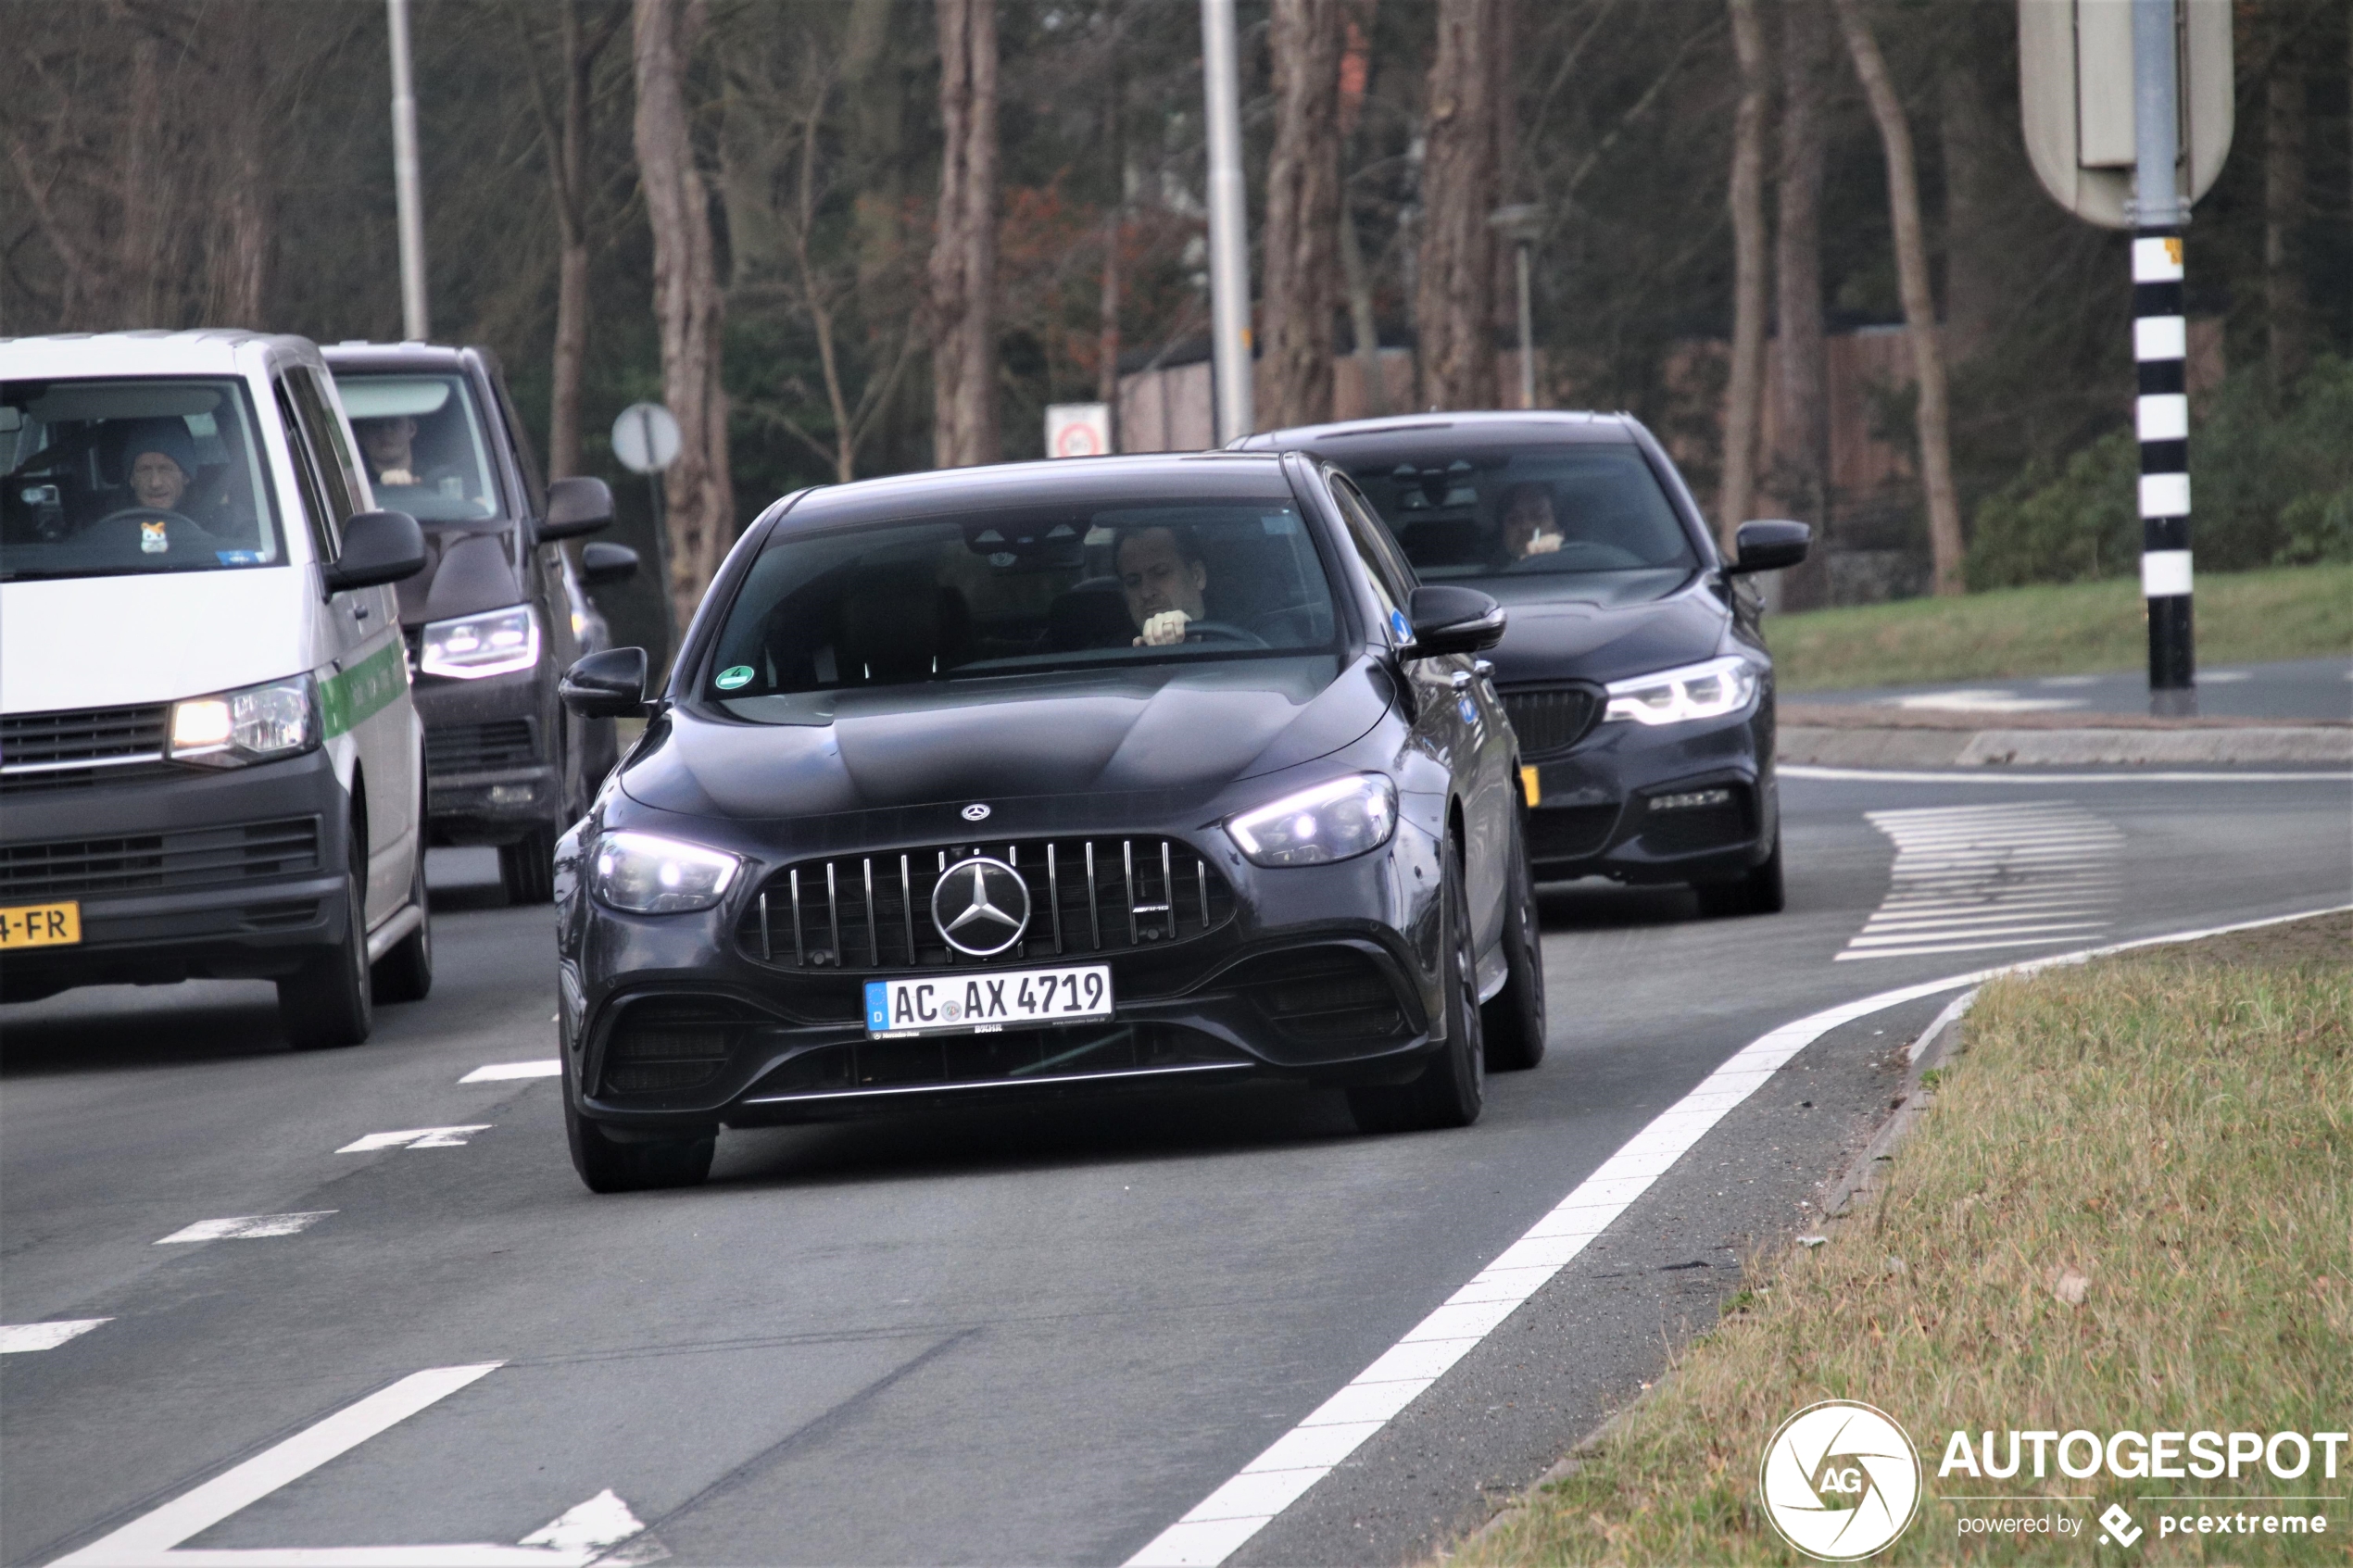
{"x": 2174, "y": 1128}
{"x": 2292, "y": 612}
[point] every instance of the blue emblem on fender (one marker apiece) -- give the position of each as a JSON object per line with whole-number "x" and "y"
{"x": 1398, "y": 625}
{"x": 877, "y": 1005}
{"x": 1470, "y": 714}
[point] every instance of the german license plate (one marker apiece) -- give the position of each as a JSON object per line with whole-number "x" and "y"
{"x": 985, "y": 1002}
{"x": 39, "y": 925}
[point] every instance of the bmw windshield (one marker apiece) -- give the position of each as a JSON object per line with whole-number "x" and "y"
{"x": 1005, "y": 593}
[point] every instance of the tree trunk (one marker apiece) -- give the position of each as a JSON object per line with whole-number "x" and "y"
{"x": 1745, "y": 394}
{"x": 1303, "y": 210}
{"x": 2283, "y": 304}
{"x": 1972, "y": 136}
{"x": 1453, "y": 292}
{"x": 1358, "y": 279}
{"x": 1107, "y": 314}
{"x": 1920, "y": 306}
{"x": 1802, "y": 458}
{"x": 568, "y": 161}
{"x": 963, "y": 257}
{"x": 240, "y": 262}
{"x": 139, "y": 268}
{"x": 688, "y": 304}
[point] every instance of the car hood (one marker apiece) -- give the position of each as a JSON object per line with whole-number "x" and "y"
{"x": 467, "y": 570}
{"x": 1591, "y": 641}
{"x": 105, "y": 642}
{"x": 1157, "y": 727}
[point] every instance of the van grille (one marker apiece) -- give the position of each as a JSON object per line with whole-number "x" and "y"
{"x": 81, "y": 746}
{"x": 158, "y": 862}
{"x": 473, "y": 748}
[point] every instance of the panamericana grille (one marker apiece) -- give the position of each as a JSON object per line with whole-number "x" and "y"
{"x": 80, "y": 746}
{"x": 1087, "y": 896}
{"x": 158, "y": 862}
{"x": 473, "y": 748}
{"x": 1551, "y": 719}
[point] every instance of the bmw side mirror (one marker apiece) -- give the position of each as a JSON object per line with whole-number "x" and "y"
{"x": 1450, "y": 620}
{"x": 576, "y": 507}
{"x": 605, "y": 562}
{"x": 1768, "y": 545}
{"x": 610, "y": 685}
{"x": 378, "y": 548}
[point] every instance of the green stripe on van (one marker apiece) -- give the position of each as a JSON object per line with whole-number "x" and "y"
{"x": 346, "y": 699}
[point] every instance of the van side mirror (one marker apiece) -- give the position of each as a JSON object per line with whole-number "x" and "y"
{"x": 1768, "y": 545}
{"x": 610, "y": 685}
{"x": 1451, "y": 620}
{"x": 576, "y": 507}
{"x": 605, "y": 562}
{"x": 378, "y": 548}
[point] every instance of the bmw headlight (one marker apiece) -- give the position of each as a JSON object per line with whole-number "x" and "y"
{"x": 497, "y": 642}
{"x": 255, "y": 724}
{"x": 1330, "y": 821}
{"x": 1695, "y": 691}
{"x": 647, "y": 875}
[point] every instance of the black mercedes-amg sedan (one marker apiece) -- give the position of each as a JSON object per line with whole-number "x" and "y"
{"x": 1040, "y": 779}
{"x": 1634, "y": 671}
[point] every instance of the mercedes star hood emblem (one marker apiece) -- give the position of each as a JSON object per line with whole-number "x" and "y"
{"x": 981, "y": 906}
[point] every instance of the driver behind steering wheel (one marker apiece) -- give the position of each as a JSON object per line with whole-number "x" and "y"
{"x": 1163, "y": 574}
{"x": 160, "y": 459}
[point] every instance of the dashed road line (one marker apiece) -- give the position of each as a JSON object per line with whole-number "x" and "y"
{"x": 1980, "y": 774}
{"x": 247, "y": 1227}
{"x": 1975, "y": 878}
{"x": 415, "y": 1137}
{"x": 498, "y": 1071}
{"x": 18, "y": 1337}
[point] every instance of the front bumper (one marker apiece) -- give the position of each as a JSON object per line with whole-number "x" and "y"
{"x": 232, "y": 875}
{"x": 1610, "y": 806}
{"x": 489, "y": 777}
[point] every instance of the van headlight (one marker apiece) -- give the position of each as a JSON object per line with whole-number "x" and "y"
{"x": 497, "y": 642}
{"x": 648, "y": 875}
{"x": 256, "y": 724}
{"x": 1330, "y": 821}
{"x": 1695, "y": 691}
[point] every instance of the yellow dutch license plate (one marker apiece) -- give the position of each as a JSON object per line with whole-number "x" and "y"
{"x": 39, "y": 925}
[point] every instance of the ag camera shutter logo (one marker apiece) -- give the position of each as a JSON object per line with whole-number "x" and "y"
{"x": 1839, "y": 1480}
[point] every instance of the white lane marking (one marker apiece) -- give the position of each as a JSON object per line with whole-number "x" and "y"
{"x": 16, "y": 1337}
{"x": 573, "y": 1540}
{"x": 496, "y": 1071}
{"x": 247, "y": 1227}
{"x": 2010, "y": 873}
{"x": 1997, "y": 775}
{"x": 1983, "y": 701}
{"x": 415, "y": 1137}
{"x": 1216, "y": 1527}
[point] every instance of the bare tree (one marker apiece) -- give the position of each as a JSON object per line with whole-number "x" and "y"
{"x": 1115, "y": 146}
{"x": 1453, "y": 297}
{"x": 1302, "y": 209}
{"x": 1972, "y": 138}
{"x": 963, "y": 257}
{"x": 1745, "y": 393}
{"x": 1356, "y": 278}
{"x": 687, "y": 302}
{"x": 2284, "y": 311}
{"x": 1803, "y": 461}
{"x": 1931, "y": 414}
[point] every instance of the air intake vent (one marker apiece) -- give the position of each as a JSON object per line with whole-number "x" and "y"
{"x": 158, "y": 862}
{"x": 1325, "y": 994}
{"x": 81, "y": 747}
{"x": 662, "y": 1044}
{"x": 1550, "y": 720}
{"x": 474, "y": 748}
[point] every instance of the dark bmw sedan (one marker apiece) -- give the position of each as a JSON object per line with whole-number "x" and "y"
{"x": 1043, "y": 779}
{"x": 1634, "y": 671}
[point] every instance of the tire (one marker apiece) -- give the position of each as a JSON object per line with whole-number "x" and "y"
{"x": 405, "y": 974}
{"x": 606, "y": 1165}
{"x": 1758, "y": 892}
{"x": 1513, "y": 1022}
{"x": 1453, "y": 1089}
{"x": 527, "y": 867}
{"x": 329, "y": 1002}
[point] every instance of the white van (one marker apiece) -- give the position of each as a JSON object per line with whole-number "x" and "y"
{"x": 209, "y": 764}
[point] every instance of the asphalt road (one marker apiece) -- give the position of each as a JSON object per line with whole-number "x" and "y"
{"x": 2286, "y": 690}
{"x": 1005, "y": 1336}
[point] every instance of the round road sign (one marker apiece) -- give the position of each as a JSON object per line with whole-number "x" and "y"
{"x": 645, "y": 438}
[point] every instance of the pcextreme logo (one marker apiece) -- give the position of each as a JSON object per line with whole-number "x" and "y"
{"x": 1839, "y": 1480}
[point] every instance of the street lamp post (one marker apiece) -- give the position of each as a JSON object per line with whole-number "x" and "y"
{"x": 415, "y": 325}
{"x": 1523, "y": 224}
{"x": 1228, "y": 230}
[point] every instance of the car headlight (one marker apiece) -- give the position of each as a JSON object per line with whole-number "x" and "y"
{"x": 1695, "y": 691}
{"x": 1330, "y": 821}
{"x": 497, "y": 642}
{"x": 647, "y": 875}
{"x": 256, "y": 724}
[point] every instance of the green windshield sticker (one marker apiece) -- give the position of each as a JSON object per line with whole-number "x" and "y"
{"x": 732, "y": 676}
{"x": 347, "y": 700}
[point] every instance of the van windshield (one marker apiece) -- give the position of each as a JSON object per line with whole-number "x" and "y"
{"x": 131, "y": 475}
{"x": 421, "y": 436}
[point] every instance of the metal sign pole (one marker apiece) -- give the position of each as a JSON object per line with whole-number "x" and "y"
{"x": 2160, "y": 345}
{"x": 662, "y": 525}
{"x": 415, "y": 325}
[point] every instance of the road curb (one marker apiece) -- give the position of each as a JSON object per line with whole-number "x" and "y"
{"x": 1908, "y": 747}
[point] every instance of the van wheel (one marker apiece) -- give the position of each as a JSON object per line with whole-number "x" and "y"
{"x": 1453, "y": 1089}
{"x": 1514, "y": 1023}
{"x": 330, "y": 1001}
{"x": 527, "y": 867}
{"x": 607, "y": 1165}
{"x": 405, "y": 974}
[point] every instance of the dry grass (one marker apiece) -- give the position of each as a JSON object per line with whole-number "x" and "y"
{"x": 2294, "y": 612}
{"x": 2175, "y": 1127}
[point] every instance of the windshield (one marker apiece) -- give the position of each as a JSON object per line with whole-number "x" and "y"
{"x": 1586, "y": 522}
{"x": 423, "y": 438}
{"x": 1007, "y": 592}
{"x": 105, "y": 478}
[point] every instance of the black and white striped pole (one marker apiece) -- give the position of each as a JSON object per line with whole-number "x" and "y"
{"x": 2160, "y": 345}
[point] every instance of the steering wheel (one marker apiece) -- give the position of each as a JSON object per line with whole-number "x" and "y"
{"x": 148, "y": 514}
{"x": 1224, "y": 630}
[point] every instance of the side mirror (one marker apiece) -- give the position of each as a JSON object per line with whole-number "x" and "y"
{"x": 1449, "y": 619}
{"x": 575, "y": 506}
{"x": 605, "y": 562}
{"x": 1768, "y": 545}
{"x": 610, "y": 685}
{"x": 378, "y": 548}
